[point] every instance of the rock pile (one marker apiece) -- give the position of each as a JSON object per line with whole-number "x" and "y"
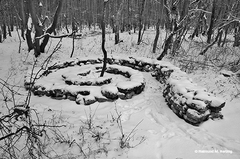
{"x": 85, "y": 90}
{"x": 186, "y": 99}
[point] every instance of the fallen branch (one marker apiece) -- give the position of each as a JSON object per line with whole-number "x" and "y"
{"x": 59, "y": 36}
{"x": 210, "y": 45}
{"x": 11, "y": 134}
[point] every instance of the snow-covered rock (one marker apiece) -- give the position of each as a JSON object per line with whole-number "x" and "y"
{"x": 186, "y": 99}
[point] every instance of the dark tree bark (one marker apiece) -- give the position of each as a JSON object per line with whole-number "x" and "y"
{"x": 128, "y": 14}
{"x": 4, "y": 28}
{"x": 51, "y": 29}
{"x": 212, "y": 21}
{"x": 29, "y": 40}
{"x": 199, "y": 23}
{"x": 157, "y": 36}
{"x": 103, "y": 40}
{"x": 167, "y": 45}
{"x": 66, "y": 23}
{"x": 74, "y": 30}
{"x": 140, "y": 24}
{"x": 37, "y": 26}
{"x": 237, "y": 36}
{"x": 117, "y": 25}
{"x": 211, "y": 44}
{"x": 23, "y": 18}
{"x": 184, "y": 10}
{"x": 219, "y": 41}
{"x": 167, "y": 18}
{"x": 9, "y": 31}
{"x": 1, "y": 35}
{"x": 225, "y": 36}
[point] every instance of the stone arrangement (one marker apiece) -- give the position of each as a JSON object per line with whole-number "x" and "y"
{"x": 186, "y": 99}
{"x": 86, "y": 91}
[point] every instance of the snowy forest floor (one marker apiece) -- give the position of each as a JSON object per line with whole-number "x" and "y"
{"x": 151, "y": 130}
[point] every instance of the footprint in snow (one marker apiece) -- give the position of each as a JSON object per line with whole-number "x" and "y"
{"x": 168, "y": 135}
{"x": 153, "y": 132}
{"x": 149, "y": 115}
{"x": 126, "y": 116}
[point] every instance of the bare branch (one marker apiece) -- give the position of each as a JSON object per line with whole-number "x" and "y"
{"x": 59, "y": 36}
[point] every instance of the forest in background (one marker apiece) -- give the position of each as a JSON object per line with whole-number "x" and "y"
{"x": 213, "y": 19}
{"x": 200, "y": 37}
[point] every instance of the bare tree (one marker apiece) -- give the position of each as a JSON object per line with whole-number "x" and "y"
{"x": 212, "y": 21}
{"x": 140, "y": 24}
{"x": 157, "y": 36}
{"x": 117, "y": 25}
{"x": 103, "y": 39}
{"x": 0, "y": 34}
{"x": 39, "y": 26}
{"x": 52, "y": 28}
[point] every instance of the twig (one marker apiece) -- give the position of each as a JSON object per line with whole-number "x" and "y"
{"x": 59, "y": 36}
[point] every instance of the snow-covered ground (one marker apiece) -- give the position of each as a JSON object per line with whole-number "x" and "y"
{"x": 152, "y": 130}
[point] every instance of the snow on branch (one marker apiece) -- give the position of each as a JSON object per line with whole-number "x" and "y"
{"x": 58, "y": 36}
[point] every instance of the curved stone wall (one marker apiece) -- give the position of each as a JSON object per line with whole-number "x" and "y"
{"x": 186, "y": 99}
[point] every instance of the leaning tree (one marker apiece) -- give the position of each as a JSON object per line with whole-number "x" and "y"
{"x": 29, "y": 9}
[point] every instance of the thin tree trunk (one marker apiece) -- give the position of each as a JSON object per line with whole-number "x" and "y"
{"x": 128, "y": 13}
{"x": 157, "y": 36}
{"x": 66, "y": 27}
{"x": 29, "y": 40}
{"x": 103, "y": 40}
{"x": 9, "y": 31}
{"x": 210, "y": 45}
{"x": 140, "y": 23}
{"x": 225, "y": 36}
{"x": 20, "y": 41}
{"x": 1, "y": 35}
{"x": 237, "y": 37}
{"x": 167, "y": 20}
{"x": 212, "y": 21}
{"x": 117, "y": 26}
{"x": 37, "y": 26}
{"x": 73, "y": 45}
{"x": 74, "y": 30}
{"x": 51, "y": 29}
{"x": 23, "y": 18}
{"x": 4, "y": 28}
{"x": 166, "y": 46}
{"x": 220, "y": 38}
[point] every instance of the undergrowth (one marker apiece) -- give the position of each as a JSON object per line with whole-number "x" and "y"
{"x": 26, "y": 133}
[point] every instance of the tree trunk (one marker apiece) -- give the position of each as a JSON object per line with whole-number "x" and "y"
{"x": 9, "y": 31}
{"x": 74, "y": 30}
{"x": 37, "y": 26}
{"x": 128, "y": 18}
{"x": 51, "y": 29}
{"x": 210, "y": 45}
{"x": 237, "y": 37}
{"x": 212, "y": 21}
{"x": 199, "y": 22}
{"x": 225, "y": 36}
{"x": 1, "y": 35}
{"x": 167, "y": 20}
{"x": 4, "y": 28}
{"x": 220, "y": 38}
{"x": 167, "y": 45}
{"x": 157, "y": 36}
{"x": 23, "y": 18}
{"x": 29, "y": 40}
{"x": 117, "y": 26}
{"x": 140, "y": 25}
{"x": 66, "y": 24}
{"x": 103, "y": 40}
